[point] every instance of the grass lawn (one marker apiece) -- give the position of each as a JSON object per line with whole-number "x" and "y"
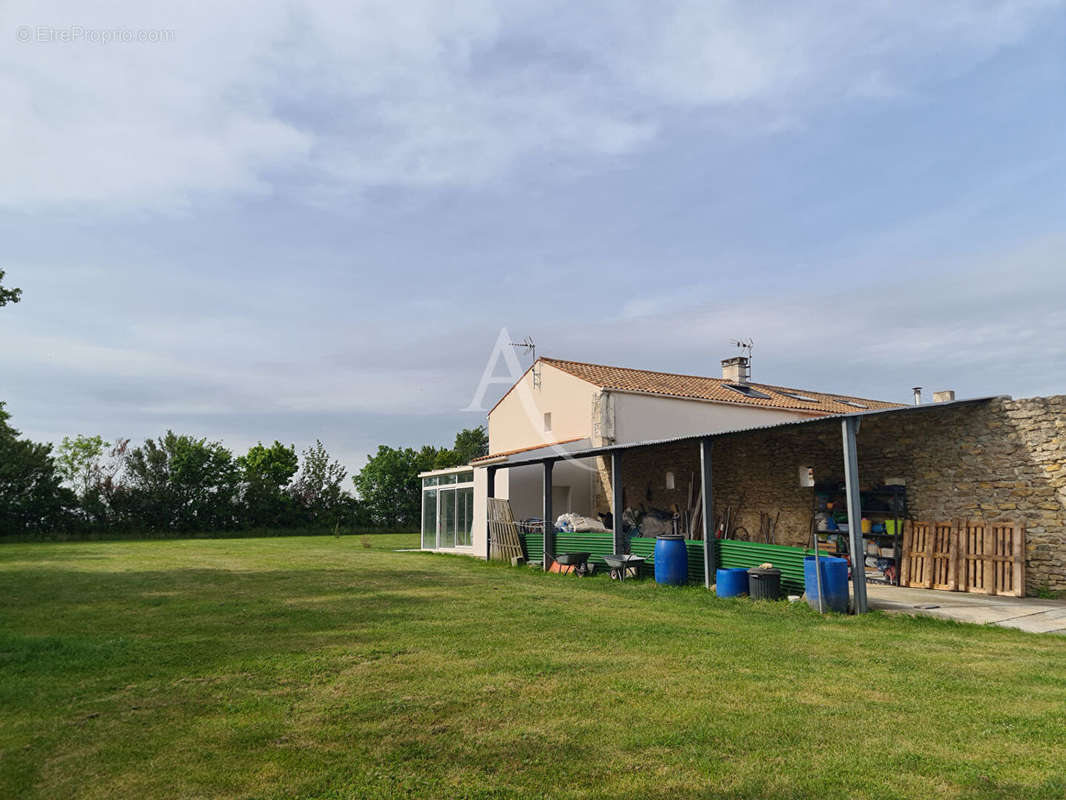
{"x": 317, "y": 667}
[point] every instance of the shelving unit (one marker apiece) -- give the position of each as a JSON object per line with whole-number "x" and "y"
{"x": 885, "y": 507}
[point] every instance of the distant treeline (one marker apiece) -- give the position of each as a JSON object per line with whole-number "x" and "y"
{"x": 178, "y": 484}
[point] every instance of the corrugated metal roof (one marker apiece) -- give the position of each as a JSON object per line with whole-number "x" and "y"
{"x": 549, "y": 453}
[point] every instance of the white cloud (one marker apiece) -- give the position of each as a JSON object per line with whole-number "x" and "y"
{"x": 256, "y": 99}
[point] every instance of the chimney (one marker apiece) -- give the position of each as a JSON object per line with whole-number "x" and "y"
{"x": 945, "y": 396}
{"x": 736, "y": 370}
{"x": 917, "y": 395}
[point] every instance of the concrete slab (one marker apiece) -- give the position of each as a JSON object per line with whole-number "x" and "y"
{"x": 1024, "y": 613}
{"x": 1040, "y": 622}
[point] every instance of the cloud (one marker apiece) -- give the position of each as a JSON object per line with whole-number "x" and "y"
{"x": 311, "y": 97}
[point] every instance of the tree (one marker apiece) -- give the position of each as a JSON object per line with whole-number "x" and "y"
{"x": 8, "y": 295}
{"x": 266, "y": 472}
{"x": 388, "y": 485}
{"x": 181, "y": 483}
{"x": 471, "y": 443}
{"x": 32, "y": 497}
{"x": 78, "y": 462}
{"x": 319, "y": 487}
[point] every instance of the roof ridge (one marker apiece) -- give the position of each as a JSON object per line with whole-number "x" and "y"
{"x": 630, "y": 369}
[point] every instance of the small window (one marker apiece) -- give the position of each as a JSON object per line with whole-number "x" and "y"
{"x": 747, "y": 391}
{"x": 547, "y": 421}
{"x": 851, "y": 403}
{"x": 797, "y": 396}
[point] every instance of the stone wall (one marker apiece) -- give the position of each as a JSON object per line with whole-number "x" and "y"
{"x": 999, "y": 460}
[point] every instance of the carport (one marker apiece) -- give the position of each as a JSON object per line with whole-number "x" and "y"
{"x": 849, "y": 426}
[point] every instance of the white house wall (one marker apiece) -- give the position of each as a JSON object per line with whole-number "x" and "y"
{"x": 639, "y": 418}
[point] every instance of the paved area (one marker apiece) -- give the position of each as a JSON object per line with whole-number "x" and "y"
{"x": 1025, "y": 613}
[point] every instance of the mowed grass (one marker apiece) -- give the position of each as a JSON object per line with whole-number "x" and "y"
{"x": 318, "y": 667}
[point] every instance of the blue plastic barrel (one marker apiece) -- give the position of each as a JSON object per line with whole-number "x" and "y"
{"x": 671, "y": 560}
{"x": 834, "y": 583}
{"x": 731, "y": 582}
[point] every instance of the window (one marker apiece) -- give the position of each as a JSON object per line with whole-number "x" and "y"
{"x": 851, "y": 403}
{"x": 747, "y": 391}
{"x": 547, "y": 421}
{"x": 429, "y": 519}
{"x": 797, "y": 396}
{"x": 448, "y": 513}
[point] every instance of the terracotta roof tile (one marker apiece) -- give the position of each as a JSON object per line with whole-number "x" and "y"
{"x": 695, "y": 387}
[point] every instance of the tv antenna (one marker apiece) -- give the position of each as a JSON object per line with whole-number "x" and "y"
{"x": 530, "y": 347}
{"x": 747, "y": 345}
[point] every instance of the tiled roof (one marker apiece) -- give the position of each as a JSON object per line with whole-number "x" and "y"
{"x": 695, "y": 387}
{"x": 502, "y": 453}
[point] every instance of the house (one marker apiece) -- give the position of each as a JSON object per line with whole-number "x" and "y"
{"x": 974, "y": 489}
{"x": 564, "y": 406}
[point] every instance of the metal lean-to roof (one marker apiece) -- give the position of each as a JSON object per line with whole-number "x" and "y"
{"x": 559, "y": 452}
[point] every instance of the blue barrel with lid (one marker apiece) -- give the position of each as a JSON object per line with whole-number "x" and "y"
{"x": 731, "y": 582}
{"x": 671, "y": 560}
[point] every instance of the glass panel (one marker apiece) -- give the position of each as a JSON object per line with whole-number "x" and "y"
{"x": 429, "y": 518}
{"x": 447, "y": 479}
{"x": 466, "y": 477}
{"x": 432, "y": 481}
{"x": 465, "y": 522}
{"x": 447, "y": 518}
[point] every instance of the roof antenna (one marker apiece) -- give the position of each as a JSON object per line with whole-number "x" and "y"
{"x": 747, "y": 345}
{"x": 530, "y": 347}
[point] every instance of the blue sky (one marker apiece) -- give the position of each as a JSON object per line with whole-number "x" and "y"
{"x": 311, "y": 220}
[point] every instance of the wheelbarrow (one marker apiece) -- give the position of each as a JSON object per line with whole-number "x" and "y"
{"x": 624, "y": 565}
{"x": 577, "y": 563}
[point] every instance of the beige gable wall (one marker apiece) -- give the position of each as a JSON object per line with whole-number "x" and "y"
{"x": 518, "y": 421}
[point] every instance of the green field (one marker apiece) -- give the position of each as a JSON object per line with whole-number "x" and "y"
{"x": 320, "y": 667}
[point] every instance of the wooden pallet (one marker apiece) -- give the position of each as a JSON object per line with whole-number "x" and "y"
{"x": 503, "y": 531}
{"x": 916, "y": 569}
{"x": 992, "y": 558}
{"x": 966, "y": 556}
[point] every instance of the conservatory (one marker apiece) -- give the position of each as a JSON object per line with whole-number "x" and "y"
{"x": 447, "y": 509}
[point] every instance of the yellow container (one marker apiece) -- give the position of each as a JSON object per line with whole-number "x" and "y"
{"x": 866, "y": 525}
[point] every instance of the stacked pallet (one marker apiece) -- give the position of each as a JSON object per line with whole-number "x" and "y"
{"x": 965, "y": 556}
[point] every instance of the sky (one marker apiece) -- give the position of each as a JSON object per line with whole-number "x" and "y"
{"x": 298, "y": 220}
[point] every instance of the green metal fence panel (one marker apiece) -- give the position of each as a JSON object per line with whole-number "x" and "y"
{"x": 533, "y": 543}
{"x": 789, "y": 560}
{"x": 598, "y": 544}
